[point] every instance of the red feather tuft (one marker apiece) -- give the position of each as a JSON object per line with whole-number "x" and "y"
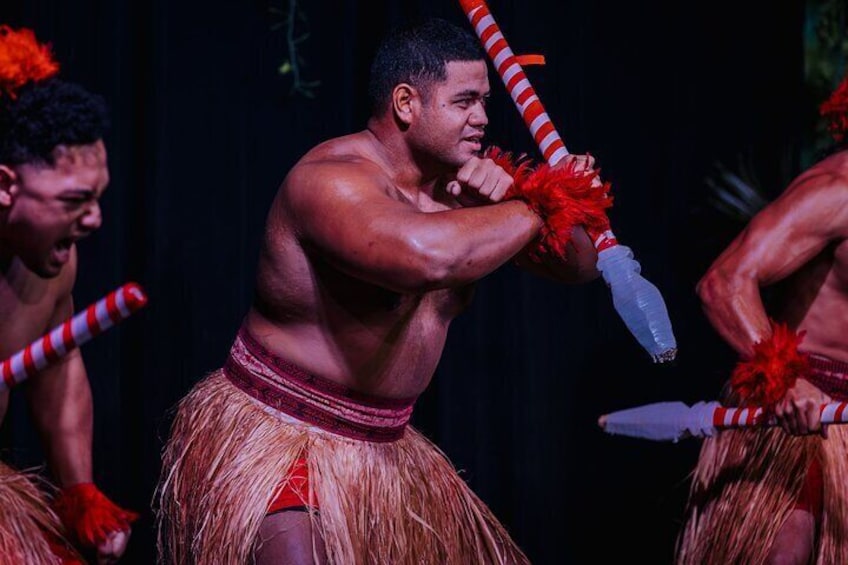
{"x": 65, "y": 554}
{"x": 774, "y": 368}
{"x": 562, "y": 196}
{"x": 89, "y": 516}
{"x": 23, "y": 59}
{"x": 519, "y": 168}
{"x": 835, "y": 111}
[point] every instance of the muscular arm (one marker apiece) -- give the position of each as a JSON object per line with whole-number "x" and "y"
{"x": 777, "y": 242}
{"x": 346, "y": 211}
{"x": 579, "y": 266}
{"x": 60, "y": 402}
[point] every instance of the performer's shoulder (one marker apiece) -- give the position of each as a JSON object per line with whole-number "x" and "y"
{"x": 836, "y": 163}
{"x": 825, "y": 182}
{"x": 336, "y": 164}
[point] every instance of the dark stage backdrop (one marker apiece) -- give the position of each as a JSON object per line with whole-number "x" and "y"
{"x": 204, "y": 129}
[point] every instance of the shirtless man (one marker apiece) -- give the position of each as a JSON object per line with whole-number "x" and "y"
{"x": 52, "y": 173}
{"x": 372, "y": 247}
{"x": 769, "y": 497}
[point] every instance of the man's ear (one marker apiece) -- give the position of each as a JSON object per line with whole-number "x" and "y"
{"x": 406, "y": 101}
{"x": 8, "y": 186}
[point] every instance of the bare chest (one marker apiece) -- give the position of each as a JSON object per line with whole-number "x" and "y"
{"x": 23, "y": 318}
{"x": 372, "y": 304}
{"x": 443, "y": 304}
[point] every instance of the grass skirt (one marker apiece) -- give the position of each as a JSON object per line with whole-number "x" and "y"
{"x": 747, "y": 482}
{"x": 26, "y": 521}
{"x": 380, "y": 502}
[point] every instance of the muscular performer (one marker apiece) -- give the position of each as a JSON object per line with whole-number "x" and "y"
{"x": 52, "y": 172}
{"x": 298, "y": 450}
{"x": 781, "y": 496}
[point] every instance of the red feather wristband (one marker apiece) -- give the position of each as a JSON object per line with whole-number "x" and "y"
{"x": 775, "y": 366}
{"x": 89, "y": 516}
{"x": 562, "y": 196}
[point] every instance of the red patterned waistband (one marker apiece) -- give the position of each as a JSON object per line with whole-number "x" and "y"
{"x": 311, "y": 399}
{"x": 830, "y": 376}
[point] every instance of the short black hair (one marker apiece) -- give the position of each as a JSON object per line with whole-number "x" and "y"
{"x": 417, "y": 54}
{"x": 46, "y": 114}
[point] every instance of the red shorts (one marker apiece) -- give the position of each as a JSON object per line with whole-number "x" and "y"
{"x": 295, "y": 494}
{"x": 811, "y": 497}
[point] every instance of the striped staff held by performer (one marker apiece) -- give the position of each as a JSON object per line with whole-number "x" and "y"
{"x": 53, "y": 172}
{"x": 637, "y": 301}
{"x": 725, "y": 417}
{"x": 673, "y": 421}
{"x": 61, "y": 340}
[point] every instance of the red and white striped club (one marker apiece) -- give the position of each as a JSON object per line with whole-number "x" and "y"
{"x": 637, "y": 300}
{"x": 522, "y": 93}
{"x": 61, "y": 340}
{"x": 673, "y": 421}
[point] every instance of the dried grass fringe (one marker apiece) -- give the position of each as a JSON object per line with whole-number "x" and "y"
{"x": 25, "y": 517}
{"x": 395, "y": 503}
{"x": 746, "y": 484}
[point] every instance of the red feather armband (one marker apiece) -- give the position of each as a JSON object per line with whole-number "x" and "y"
{"x": 775, "y": 366}
{"x": 563, "y": 196}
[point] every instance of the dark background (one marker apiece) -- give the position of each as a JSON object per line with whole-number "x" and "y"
{"x": 205, "y": 128}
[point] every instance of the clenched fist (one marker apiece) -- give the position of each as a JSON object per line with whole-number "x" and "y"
{"x": 481, "y": 180}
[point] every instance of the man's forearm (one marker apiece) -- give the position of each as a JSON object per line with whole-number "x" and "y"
{"x": 62, "y": 411}
{"x": 735, "y": 310}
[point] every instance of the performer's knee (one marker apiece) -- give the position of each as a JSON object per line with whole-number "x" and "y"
{"x": 290, "y": 537}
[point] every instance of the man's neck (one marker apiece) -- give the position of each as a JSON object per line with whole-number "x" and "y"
{"x": 408, "y": 171}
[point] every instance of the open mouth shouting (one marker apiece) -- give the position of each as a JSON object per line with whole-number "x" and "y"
{"x": 61, "y": 252}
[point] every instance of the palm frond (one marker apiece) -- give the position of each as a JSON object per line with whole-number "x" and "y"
{"x": 736, "y": 194}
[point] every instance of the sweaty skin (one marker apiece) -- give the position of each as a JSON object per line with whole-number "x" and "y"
{"x": 801, "y": 237}
{"x": 367, "y": 257}
{"x": 44, "y": 211}
{"x": 373, "y": 245}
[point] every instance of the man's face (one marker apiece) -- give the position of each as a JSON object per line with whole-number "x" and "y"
{"x": 54, "y": 206}
{"x": 453, "y": 113}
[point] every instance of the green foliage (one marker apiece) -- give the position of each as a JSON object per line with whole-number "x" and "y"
{"x": 290, "y": 19}
{"x": 825, "y": 56}
{"x": 737, "y": 193}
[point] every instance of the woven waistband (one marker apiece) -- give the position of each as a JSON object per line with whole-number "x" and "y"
{"x": 830, "y": 376}
{"x": 314, "y": 400}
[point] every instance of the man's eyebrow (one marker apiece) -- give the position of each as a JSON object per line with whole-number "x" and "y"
{"x": 81, "y": 191}
{"x": 471, "y": 93}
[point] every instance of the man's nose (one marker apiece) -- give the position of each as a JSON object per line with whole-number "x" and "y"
{"x": 478, "y": 118}
{"x": 92, "y": 218}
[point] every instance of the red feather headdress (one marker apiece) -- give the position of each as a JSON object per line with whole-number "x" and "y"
{"x": 835, "y": 111}
{"x": 23, "y": 59}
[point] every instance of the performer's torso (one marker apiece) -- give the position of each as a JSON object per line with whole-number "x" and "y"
{"x": 342, "y": 328}
{"x": 817, "y": 301}
{"x": 28, "y": 305}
